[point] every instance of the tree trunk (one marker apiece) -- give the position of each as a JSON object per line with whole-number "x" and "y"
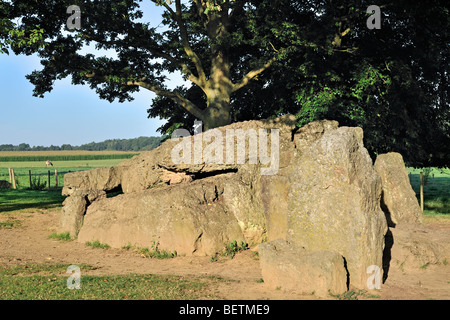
{"x": 217, "y": 113}
{"x": 218, "y": 91}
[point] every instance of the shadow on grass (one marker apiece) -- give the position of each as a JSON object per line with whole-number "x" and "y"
{"x": 20, "y": 199}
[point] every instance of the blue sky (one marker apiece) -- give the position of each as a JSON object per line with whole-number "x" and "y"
{"x": 68, "y": 114}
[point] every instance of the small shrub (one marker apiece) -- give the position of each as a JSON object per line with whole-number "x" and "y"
{"x": 425, "y": 266}
{"x": 426, "y": 175}
{"x": 65, "y": 236}
{"x": 97, "y": 244}
{"x": 36, "y": 184}
{"x": 127, "y": 247}
{"x": 230, "y": 250}
{"x": 157, "y": 254}
{"x": 153, "y": 252}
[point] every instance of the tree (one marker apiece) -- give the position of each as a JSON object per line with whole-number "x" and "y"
{"x": 257, "y": 59}
{"x": 393, "y": 82}
{"x": 5, "y": 26}
{"x": 11, "y": 35}
{"x": 201, "y": 41}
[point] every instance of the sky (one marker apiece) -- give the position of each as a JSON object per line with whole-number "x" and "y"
{"x": 69, "y": 114}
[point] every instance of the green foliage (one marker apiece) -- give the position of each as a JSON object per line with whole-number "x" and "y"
{"x": 11, "y": 34}
{"x": 230, "y": 250}
{"x": 97, "y": 244}
{"x": 10, "y": 224}
{"x": 65, "y": 236}
{"x": 353, "y": 295}
{"x": 392, "y": 82}
{"x": 436, "y": 191}
{"x": 325, "y": 63}
{"x": 36, "y": 183}
{"x": 153, "y": 252}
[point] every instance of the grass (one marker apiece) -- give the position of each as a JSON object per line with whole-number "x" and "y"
{"x": 61, "y": 153}
{"x": 49, "y": 282}
{"x": 24, "y": 200}
{"x": 436, "y": 191}
{"x": 353, "y": 295}
{"x": 73, "y": 165}
{"x": 63, "y": 161}
{"x": 153, "y": 252}
{"x": 230, "y": 250}
{"x": 39, "y": 170}
{"x": 10, "y": 224}
{"x": 97, "y": 244}
{"x": 40, "y": 157}
{"x": 65, "y": 236}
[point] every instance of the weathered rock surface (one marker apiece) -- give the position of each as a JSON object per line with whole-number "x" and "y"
{"x": 398, "y": 200}
{"x": 74, "y": 209}
{"x": 190, "y": 220}
{"x": 151, "y": 171}
{"x": 334, "y": 197}
{"x": 317, "y": 189}
{"x": 296, "y": 269}
{"x": 412, "y": 246}
{"x": 104, "y": 179}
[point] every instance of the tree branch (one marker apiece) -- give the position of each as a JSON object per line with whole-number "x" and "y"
{"x": 178, "y": 17}
{"x": 174, "y": 95}
{"x": 185, "y": 69}
{"x": 252, "y": 74}
{"x": 171, "y": 94}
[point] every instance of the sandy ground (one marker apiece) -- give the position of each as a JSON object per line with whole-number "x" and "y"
{"x": 30, "y": 244}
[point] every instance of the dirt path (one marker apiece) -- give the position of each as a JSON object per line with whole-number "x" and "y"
{"x": 30, "y": 244}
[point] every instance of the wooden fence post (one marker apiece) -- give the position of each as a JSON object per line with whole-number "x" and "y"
{"x": 13, "y": 179}
{"x": 48, "y": 179}
{"x": 56, "y": 178}
{"x": 10, "y": 178}
{"x": 29, "y": 174}
{"x": 421, "y": 190}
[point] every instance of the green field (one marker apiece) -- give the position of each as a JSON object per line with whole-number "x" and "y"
{"x": 47, "y": 198}
{"x": 436, "y": 191}
{"x": 21, "y": 170}
{"x": 63, "y": 162}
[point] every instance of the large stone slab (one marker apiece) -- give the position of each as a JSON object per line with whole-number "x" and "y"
{"x": 295, "y": 269}
{"x": 104, "y": 179}
{"x": 334, "y": 198}
{"x": 399, "y": 201}
{"x": 190, "y": 219}
{"x": 323, "y": 195}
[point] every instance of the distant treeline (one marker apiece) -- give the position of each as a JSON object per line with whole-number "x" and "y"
{"x": 72, "y": 157}
{"x": 136, "y": 144}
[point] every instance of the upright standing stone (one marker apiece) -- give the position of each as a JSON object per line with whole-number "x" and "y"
{"x": 399, "y": 201}
{"x": 334, "y": 199}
